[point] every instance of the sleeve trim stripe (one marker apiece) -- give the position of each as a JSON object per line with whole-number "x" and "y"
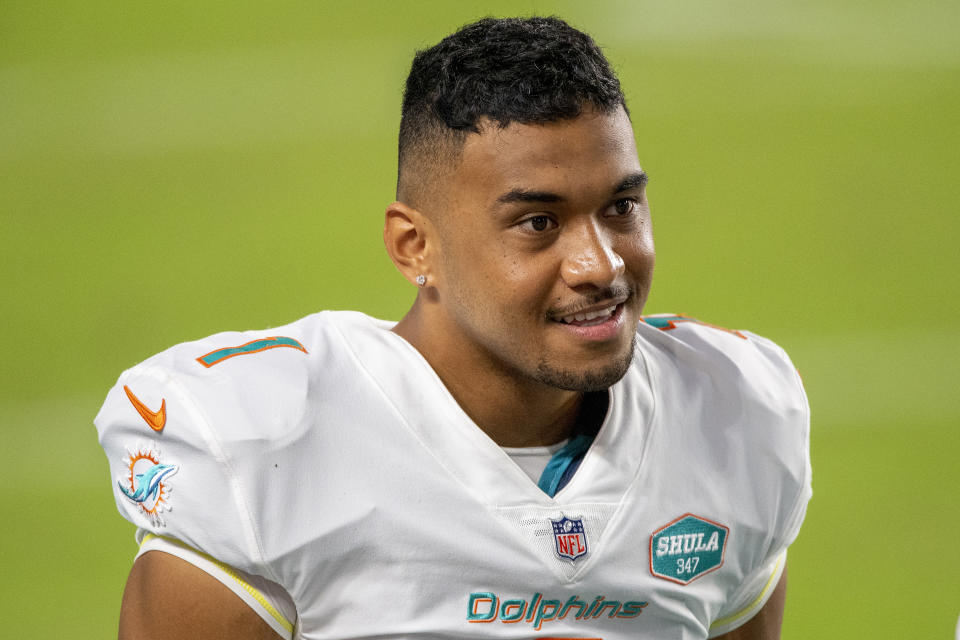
{"x": 228, "y": 570}
{"x": 747, "y": 612}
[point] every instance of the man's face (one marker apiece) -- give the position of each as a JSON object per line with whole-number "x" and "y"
{"x": 546, "y": 250}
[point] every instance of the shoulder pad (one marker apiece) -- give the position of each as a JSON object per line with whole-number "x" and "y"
{"x": 175, "y": 426}
{"x": 752, "y": 386}
{"x": 753, "y": 360}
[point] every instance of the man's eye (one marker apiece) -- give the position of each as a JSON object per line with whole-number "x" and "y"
{"x": 625, "y": 206}
{"x": 538, "y": 223}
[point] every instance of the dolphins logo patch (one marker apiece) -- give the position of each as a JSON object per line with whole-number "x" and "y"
{"x": 146, "y": 483}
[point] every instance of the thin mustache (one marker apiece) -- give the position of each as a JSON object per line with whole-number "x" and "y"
{"x": 610, "y": 293}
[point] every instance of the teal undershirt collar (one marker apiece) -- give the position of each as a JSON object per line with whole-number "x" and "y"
{"x": 563, "y": 464}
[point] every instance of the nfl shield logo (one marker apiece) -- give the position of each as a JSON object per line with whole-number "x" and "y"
{"x": 569, "y": 538}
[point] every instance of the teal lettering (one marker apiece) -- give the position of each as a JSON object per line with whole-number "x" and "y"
{"x": 573, "y": 602}
{"x": 487, "y": 606}
{"x": 533, "y": 606}
{"x": 520, "y": 607}
{"x": 593, "y": 606}
{"x": 614, "y": 607}
{"x": 542, "y": 615}
{"x": 476, "y": 601}
{"x": 631, "y": 609}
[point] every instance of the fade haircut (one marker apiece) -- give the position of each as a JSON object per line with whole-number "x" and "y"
{"x": 528, "y": 70}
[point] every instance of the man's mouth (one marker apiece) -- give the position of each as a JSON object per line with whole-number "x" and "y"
{"x": 590, "y": 318}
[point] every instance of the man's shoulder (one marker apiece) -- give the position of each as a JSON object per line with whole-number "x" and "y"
{"x": 756, "y": 366}
{"x": 716, "y": 387}
{"x": 254, "y": 382}
{"x": 236, "y": 354}
{"x": 214, "y": 418}
{"x": 697, "y": 341}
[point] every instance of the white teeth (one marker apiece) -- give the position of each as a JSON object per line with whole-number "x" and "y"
{"x": 590, "y": 315}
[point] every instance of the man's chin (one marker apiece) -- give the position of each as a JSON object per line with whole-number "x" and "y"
{"x": 585, "y": 380}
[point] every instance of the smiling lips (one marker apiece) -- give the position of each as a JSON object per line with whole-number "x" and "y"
{"x": 601, "y": 309}
{"x": 594, "y": 325}
{"x": 589, "y": 318}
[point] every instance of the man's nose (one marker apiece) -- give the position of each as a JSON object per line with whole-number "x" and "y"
{"x": 591, "y": 259}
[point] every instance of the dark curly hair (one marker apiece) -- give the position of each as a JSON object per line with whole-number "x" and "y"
{"x": 528, "y": 70}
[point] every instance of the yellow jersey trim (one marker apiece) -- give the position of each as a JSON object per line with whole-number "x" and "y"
{"x": 747, "y": 609}
{"x": 254, "y": 593}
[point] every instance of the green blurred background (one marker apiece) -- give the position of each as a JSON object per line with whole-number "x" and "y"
{"x": 168, "y": 170}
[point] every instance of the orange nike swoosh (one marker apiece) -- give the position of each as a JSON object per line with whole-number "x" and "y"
{"x": 156, "y": 419}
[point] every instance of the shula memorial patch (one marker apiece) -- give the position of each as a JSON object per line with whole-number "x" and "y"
{"x": 687, "y": 548}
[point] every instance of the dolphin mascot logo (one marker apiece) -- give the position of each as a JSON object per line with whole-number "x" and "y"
{"x": 146, "y": 485}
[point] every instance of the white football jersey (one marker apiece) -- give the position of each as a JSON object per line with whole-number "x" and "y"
{"x": 327, "y": 457}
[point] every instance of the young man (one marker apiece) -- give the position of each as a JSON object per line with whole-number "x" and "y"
{"x": 522, "y": 455}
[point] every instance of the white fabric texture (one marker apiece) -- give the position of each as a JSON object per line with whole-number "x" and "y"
{"x": 345, "y": 472}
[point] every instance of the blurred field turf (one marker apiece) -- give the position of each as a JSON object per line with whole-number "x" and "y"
{"x": 170, "y": 171}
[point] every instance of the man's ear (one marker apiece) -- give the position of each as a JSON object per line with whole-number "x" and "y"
{"x": 408, "y": 239}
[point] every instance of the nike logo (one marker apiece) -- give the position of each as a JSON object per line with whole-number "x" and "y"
{"x": 156, "y": 419}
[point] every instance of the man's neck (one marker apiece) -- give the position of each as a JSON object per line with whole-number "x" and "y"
{"x": 514, "y": 413}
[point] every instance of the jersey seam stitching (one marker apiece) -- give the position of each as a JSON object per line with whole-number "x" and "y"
{"x": 221, "y": 456}
{"x": 373, "y": 379}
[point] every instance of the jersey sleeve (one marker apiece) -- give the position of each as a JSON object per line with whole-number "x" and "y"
{"x": 794, "y": 443}
{"x": 201, "y": 440}
{"x": 779, "y": 386}
{"x": 750, "y": 598}
{"x": 761, "y": 438}
{"x": 170, "y": 474}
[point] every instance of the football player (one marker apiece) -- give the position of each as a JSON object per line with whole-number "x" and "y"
{"x": 522, "y": 455}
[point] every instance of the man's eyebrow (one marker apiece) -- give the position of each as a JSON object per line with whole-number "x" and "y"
{"x": 634, "y": 181}
{"x": 524, "y": 195}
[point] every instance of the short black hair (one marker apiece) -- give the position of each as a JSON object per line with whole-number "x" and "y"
{"x": 528, "y": 70}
